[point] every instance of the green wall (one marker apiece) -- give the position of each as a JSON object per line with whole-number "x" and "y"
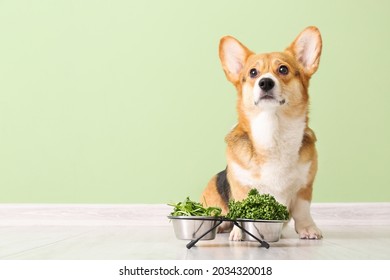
{"x": 125, "y": 101}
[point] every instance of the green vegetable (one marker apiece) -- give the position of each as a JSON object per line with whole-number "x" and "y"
{"x": 258, "y": 207}
{"x": 192, "y": 208}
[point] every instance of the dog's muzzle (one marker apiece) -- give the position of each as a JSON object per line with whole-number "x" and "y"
{"x": 267, "y": 86}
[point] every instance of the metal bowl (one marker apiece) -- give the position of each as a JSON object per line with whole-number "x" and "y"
{"x": 191, "y": 228}
{"x": 267, "y": 230}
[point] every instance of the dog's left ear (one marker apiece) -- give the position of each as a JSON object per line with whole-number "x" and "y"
{"x": 233, "y": 55}
{"x": 307, "y": 49}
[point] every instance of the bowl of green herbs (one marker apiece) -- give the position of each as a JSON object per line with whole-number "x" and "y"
{"x": 191, "y": 220}
{"x": 260, "y": 214}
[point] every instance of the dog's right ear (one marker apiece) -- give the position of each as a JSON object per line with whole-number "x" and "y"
{"x": 233, "y": 56}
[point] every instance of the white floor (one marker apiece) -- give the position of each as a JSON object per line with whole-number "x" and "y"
{"x": 61, "y": 232}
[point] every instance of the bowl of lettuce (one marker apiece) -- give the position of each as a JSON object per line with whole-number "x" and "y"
{"x": 191, "y": 220}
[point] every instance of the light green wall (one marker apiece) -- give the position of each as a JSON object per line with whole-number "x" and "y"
{"x": 125, "y": 101}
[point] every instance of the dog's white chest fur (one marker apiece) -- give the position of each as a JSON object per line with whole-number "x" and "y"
{"x": 281, "y": 138}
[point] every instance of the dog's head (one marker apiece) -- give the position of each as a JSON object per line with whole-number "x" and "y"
{"x": 272, "y": 81}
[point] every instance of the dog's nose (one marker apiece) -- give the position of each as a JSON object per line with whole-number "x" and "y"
{"x": 266, "y": 84}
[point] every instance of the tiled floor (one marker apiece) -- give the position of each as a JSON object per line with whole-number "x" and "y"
{"x": 352, "y": 231}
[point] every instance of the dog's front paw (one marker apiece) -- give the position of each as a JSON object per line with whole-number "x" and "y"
{"x": 309, "y": 232}
{"x": 225, "y": 227}
{"x": 235, "y": 234}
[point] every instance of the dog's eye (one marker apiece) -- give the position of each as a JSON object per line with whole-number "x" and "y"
{"x": 253, "y": 73}
{"x": 283, "y": 70}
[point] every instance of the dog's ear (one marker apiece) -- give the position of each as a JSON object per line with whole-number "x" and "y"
{"x": 233, "y": 56}
{"x": 307, "y": 49}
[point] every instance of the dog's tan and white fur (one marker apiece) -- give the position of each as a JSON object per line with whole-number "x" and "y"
{"x": 272, "y": 147}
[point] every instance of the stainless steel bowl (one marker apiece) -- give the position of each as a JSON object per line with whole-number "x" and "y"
{"x": 266, "y": 230}
{"x": 190, "y": 227}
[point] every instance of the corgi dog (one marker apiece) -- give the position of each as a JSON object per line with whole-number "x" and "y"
{"x": 272, "y": 147}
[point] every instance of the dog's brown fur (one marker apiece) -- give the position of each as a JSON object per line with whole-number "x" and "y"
{"x": 272, "y": 139}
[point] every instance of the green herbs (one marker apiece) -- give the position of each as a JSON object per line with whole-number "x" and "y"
{"x": 192, "y": 208}
{"x": 258, "y": 207}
